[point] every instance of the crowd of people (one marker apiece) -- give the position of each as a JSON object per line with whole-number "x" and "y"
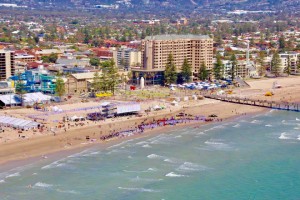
{"x": 139, "y": 129}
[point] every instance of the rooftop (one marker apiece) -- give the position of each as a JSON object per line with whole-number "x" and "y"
{"x": 177, "y": 37}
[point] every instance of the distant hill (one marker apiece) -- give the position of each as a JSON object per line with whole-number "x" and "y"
{"x": 230, "y": 4}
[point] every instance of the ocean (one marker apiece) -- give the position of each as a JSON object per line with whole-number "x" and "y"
{"x": 253, "y": 157}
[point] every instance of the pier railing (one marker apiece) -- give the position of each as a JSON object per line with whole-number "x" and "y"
{"x": 279, "y": 105}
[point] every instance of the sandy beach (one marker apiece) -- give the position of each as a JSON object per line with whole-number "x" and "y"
{"x": 72, "y": 136}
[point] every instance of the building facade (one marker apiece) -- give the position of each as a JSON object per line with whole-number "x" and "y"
{"x": 127, "y": 57}
{"x": 291, "y": 57}
{"x": 197, "y": 49}
{"x": 7, "y": 64}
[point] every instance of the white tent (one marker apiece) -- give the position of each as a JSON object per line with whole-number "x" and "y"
{"x": 74, "y": 118}
{"x": 18, "y": 123}
{"x": 174, "y": 103}
{"x": 157, "y": 107}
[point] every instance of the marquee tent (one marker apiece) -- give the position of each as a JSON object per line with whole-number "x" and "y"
{"x": 18, "y": 123}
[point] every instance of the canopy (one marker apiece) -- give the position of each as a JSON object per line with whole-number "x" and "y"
{"x": 18, "y": 123}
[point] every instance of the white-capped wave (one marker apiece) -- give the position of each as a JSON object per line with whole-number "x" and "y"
{"x": 139, "y": 179}
{"x": 67, "y": 191}
{"x": 138, "y": 189}
{"x": 146, "y": 146}
{"x": 297, "y": 119}
{"x": 255, "y": 122}
{"x": 2, "y": 181}
{"x": 236, "y": 126}
{"x": 169, "y": 160}
{"x": 268, "y": 125}
{"x": 155, "y": 156}
{"x": 142, "y": 143}
{"x": 188, "y": 166}
{"x": 42, "y": 185}
{"x": 213, "y": 143}
{"x": 152, "y": 169}
{"x": 283, "y": 136}
{"x": 172, "y": 174}
{"x": 178, "y": 136}
{"x": 13, "y": 175}
{"x": 298, "y": 138}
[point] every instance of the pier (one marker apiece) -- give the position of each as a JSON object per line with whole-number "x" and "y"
{"x": 255, "y": 102}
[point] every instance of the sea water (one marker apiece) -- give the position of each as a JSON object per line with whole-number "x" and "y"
{"x": 255, "y": 157}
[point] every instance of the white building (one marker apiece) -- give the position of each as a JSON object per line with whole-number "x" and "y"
{"x": 293, "y": 57}
{"x": 127, "y": 57}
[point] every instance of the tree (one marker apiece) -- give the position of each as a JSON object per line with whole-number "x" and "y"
{"x": 281, "y": 43}
{"x": 20, "y": 89}
{"x": 170, "y": 71}
{"x": 233, "y": 66}
{"x": 275, "y": 64}
{"x": 218, "y": 68}
{"x": 110, "y": 76}
{"x": 95, "y": 62}
{"x": 203, "y": 73}
{"x": 96, "y": 82}
{"x": 186, "y": 71}
{"x": 60, "y": 89}
{"x": 287, "y": 70}
{"x": 53, "y": 57}
{"x": 261, "y": 62}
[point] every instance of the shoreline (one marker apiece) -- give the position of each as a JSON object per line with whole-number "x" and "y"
{"x": 60, "y": 153}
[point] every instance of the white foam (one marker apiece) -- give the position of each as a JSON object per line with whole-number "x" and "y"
{"x": 138, "y": 179}
{"x": 138, "y": 189}
{"x": 283, "y": 136}
{"x": 236, "y": 126}
{"x": 172, "y": 174}
{"x": 201, "y": 133}
{"x": 188, "y": 166}
{"x": 154, "y": 156}
{"x": 142, "y": 143}
{"x": 298, "y": 138}
{"x": 42, "y": 185}
{"x": 255, "y": 122}
{"x": 146, "y": 146}
{"x": 152, "y": 169}
{"x": 169, "y": 160}
{"x": 297, "y": 119}
{"x": 67, "y": 191}
{"x": 2, "y": 181}
{"x": 178, "y": 136}
{"x": 95, "y": 153}
{"x": 213, "y": 143}
{"x": 268, "y": 125}
{"x": 296, "y": 128}
{"x": 13, "y": 175}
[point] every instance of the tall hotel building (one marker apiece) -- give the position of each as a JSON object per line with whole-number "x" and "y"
{"x": 197, "y": 49}
{"x": 7, "y": 64}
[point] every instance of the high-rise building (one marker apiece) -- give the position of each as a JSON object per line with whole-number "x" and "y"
{"x": 7, "y": 64}
{"x": 127, "y": 57}
{"x": 197, "y": 49}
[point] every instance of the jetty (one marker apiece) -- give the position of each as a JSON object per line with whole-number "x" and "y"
{"x": 256, "y": 102}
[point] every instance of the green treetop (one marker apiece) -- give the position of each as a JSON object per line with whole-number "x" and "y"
{"x": 170, "y": 71}
{"x": 186, "y": 71}
{"x": 275, "y": 64}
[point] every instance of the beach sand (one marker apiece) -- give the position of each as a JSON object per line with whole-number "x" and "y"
{"x": 36, "y": 144}
{"x": 76, "y": 138}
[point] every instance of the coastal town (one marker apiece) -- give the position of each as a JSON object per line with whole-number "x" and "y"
{"x": 59, "y": 77}
{"x": 149, "y": 99}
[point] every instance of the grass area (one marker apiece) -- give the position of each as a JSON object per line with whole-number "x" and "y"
{"x": 162, "y": 93}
